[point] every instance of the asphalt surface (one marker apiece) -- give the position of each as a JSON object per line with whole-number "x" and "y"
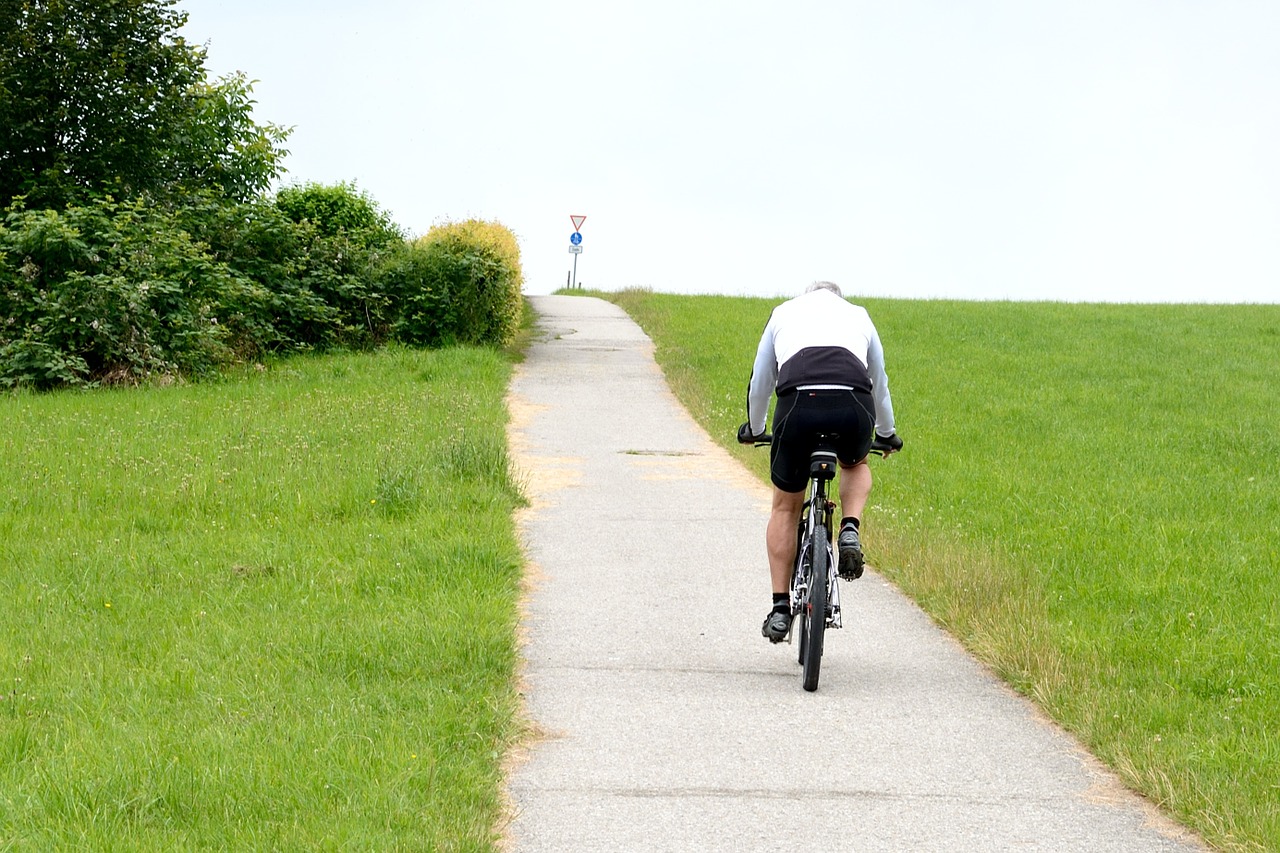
{"x": 666, "y": 722}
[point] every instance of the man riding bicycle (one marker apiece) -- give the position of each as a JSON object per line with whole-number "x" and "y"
{"x": 823, "y": 356}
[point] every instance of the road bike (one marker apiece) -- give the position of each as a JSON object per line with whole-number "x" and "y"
{"x": 815, "y": 593}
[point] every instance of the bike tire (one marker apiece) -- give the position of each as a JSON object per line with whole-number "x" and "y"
{"x": 814, "y": 611}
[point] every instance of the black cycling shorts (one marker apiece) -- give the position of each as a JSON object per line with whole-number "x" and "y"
{"x": 848, "y": 417}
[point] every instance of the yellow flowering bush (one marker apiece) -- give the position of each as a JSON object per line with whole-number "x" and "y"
{"x": 460, "y": 283}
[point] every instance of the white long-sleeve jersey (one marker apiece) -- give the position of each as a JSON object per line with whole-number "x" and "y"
{"x": 819, "y": 339}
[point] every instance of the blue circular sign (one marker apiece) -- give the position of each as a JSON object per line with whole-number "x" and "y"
{"x": 575, "y": 238}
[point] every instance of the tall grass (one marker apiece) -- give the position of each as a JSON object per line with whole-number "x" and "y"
{"x": 276, "y": 612}
{"x": 1089, "y": 498}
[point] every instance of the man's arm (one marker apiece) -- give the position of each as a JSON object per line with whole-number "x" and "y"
{"x": 764, "y": 378}
{"x": 879, "y": 385}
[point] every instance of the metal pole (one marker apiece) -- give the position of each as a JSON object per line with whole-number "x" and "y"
{"x": 575, "y": 269}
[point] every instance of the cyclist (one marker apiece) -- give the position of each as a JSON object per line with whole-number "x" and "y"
{"x": 823, "y": 356}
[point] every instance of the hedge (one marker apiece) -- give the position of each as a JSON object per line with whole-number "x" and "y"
{"x": 115, "y": 292}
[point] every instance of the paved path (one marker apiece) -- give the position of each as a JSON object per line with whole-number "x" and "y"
{"x": 670, "y": 724}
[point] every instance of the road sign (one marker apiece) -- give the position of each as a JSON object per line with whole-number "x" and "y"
{"x": 576, "y": 250}
{"x": 575, "y": 238}
{"x": 577, "y": 221}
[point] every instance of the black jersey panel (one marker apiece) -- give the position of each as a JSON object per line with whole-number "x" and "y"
{"x": 823, "y": 366}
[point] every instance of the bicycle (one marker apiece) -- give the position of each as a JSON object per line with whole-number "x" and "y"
{"x": 813, "y": 582}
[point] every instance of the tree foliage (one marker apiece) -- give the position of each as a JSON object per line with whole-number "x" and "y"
{"x": 219, "y": 148}
{"x": 137, "y": 239}
{"x": 104, "y": 97}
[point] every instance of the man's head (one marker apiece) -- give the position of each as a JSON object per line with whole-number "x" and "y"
{"x": 825, "y": 285}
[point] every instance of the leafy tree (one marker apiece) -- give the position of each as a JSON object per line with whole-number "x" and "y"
{"x": 218, "y": 147}
{"x": 103, "y": 97}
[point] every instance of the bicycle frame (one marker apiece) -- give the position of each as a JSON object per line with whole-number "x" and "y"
{"x": 805, "y": 536}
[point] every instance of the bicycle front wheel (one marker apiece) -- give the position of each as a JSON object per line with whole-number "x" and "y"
{"x": 815, "y": 609}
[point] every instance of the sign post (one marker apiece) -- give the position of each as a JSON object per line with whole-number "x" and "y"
{"x": 575, "y": 245}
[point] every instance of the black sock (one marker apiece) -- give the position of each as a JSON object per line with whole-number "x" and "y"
{"x": 849, "y": 519}
{"x": 782, "y": 602}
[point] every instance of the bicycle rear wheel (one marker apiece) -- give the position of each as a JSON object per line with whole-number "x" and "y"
{"x": 814, "y": 611}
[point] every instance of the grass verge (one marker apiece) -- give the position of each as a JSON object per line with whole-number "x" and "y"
{"x": 273, "y": 612}
{"x": 1090, "y": 501}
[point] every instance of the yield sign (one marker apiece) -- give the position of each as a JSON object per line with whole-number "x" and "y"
{"x": 577, "y": 221}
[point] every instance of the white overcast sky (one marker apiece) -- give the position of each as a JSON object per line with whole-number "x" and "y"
{"x": 1117, "y": 150}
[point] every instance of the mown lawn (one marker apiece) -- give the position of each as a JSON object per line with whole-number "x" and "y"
{"x": 272, "y": 612}
{"x": 1089, "y": 499}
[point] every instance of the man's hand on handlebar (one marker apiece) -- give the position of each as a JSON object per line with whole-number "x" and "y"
{"x": 745, "y": 436}
{"x": 881, "y": 444}
{"x": 884, "y": 445}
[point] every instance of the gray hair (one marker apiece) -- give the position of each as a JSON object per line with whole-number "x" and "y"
{"x": 825, "y": 285}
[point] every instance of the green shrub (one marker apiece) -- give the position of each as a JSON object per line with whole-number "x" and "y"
{"x": 260, "y": 243}
{"x": 109, "y": 291}
{"x": 349, "y": 278}
{"x": 340, "y": 209}
{"x": 459, "y": 284}
{"x": 349, "y": 239}
{"x": 118, "y": 292}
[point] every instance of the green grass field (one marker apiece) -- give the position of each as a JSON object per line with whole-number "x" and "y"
{"x": 272, "y": 612}
{"x": 1089, "y": 499}
{"x": 278, "y": 611}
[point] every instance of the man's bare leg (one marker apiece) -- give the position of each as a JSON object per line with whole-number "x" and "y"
{"x": 780, "y": 536}
{"x": 855, "y": 488}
